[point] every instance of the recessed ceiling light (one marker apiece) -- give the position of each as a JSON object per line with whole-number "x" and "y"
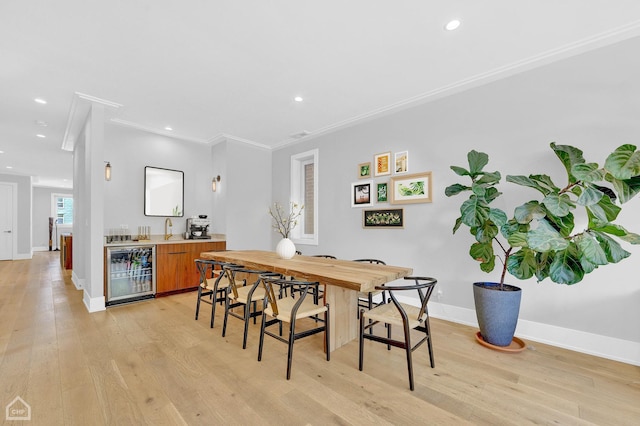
{"x": 40, "y": 135}
{"x": 452, "y": 25}
{"x": 40, "y": 101}
{"x": 9, "y": 167}
{"x": 1, "y": 152}
{"x": 168, "y": 128}
{"x": 298, "y": 99}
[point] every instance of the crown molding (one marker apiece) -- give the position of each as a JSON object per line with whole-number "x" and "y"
{"x": 224, "y": 137}
{"x": 80, "y": 106}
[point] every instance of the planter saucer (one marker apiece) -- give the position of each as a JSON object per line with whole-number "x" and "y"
{"x": 517, "y": 344}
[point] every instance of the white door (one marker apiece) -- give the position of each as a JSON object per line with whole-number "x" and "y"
{"x": 6, "y": 222}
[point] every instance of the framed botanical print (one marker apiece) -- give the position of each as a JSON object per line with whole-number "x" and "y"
{"x": 383, "y": 218}
{"x": 364, "y": 170}
{"x": 414, "y": 188}
{"x": 382, "y": 190}
{"x": 382, "y": 164}
{"x": 361, "y": 194}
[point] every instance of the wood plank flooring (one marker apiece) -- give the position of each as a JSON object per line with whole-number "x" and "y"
{"x": 152, "y": 363}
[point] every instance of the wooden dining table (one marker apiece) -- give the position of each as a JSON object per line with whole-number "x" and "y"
{"x": 343, "y": 279}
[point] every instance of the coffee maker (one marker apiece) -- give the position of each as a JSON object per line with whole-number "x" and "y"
{"x": 198, "y": 228}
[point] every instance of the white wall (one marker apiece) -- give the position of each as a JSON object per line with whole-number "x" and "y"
{"x": 589, "y": 101}
{"x": 129, "y": 151}
{"x": 41, "y": 214}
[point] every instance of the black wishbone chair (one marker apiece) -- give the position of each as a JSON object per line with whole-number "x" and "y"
{"x": 245, "y": 291}
{"x": 407, "y": 316}
{"x": 291, "y": 309}
{"x": 213, "y": 285}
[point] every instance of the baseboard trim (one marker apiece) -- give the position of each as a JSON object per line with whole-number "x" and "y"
{"x": 77, "y": 282}
{"x": 93, "y": 304}
{"x": 592, "y": 344}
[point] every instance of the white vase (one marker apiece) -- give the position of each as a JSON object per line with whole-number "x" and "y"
{"x": 286, "y": 249}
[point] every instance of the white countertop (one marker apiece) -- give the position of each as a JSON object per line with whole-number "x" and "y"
{"x": 175, "y": 239}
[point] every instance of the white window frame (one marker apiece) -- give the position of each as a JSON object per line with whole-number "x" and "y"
{"x": 298, "y": 162}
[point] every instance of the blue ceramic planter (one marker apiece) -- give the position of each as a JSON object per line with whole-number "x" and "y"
{"x": 497, "y": 311}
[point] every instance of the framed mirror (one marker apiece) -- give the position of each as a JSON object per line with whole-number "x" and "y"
{"x": 163, "y": 192}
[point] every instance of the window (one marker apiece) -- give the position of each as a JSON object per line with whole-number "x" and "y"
{"x": 304, "y": 190}
{"x": 62, "y": 208}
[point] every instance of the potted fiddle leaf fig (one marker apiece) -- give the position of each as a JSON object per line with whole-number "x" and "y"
{"x": 540, "y": 238}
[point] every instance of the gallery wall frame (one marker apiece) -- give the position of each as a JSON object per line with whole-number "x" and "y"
{"x": 382, "y": 192}
{"x": 412, "y": 188}
{"x": 401, "y": 162}
{"x": 364, "y": 170}
{"x": 383, "y": 218}
{"x": 361, "y": 194}
{"x": 382, "y": 164}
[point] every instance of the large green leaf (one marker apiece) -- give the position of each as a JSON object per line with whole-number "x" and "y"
{"x": 498, "y": 217}
{"x": 590, "y": 249}
{"x": 529, "y": 211}
{"x": 569, "y": 156}
{"x": 490, "y": 178}
{"x": 477, "y": 161}
{"x": 491, "y": 194}
{"x": 474, "y": 212}
{"x": 483, "y": 253}
{"x": 545, "y": 183}
{"x": 511, "y": 227}
{"x": 620, "y": 232}
{"x": 615, "y": 253}
{"x": 522, "y": 264}
{"x": 486, "y": 231}
{"x": 460, "y": 171}
{"x": 527, "y": 181}
{"x": 589, "y": 196}
{"x": 564, "y": 225}
{"x": 624, "y": 162}
{"x": 588, "y": 172}
{"x": 546, "y": 238}
{"x": 544, "y": 261}
{"x": 626, "y": 189}
{"x": 602, "y": 213}
{"x": 518, "y": 239}
{"x": 455, "y": 189}
{"x": 457, "y": 224}
{"x": 566, "y": 268}
{"x": 558, "y": 204}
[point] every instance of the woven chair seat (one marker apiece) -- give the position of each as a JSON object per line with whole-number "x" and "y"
{"x": 223, "y": 283}
{"x": 388, "y": 313}
{"x": 243, "y": 294}
{"x": 285, "y": 306}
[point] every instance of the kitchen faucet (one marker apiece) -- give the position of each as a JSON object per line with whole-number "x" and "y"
{"x": 167, "y": 223}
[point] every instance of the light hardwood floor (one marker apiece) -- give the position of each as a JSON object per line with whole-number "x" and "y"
{"x": 152, "y": 363}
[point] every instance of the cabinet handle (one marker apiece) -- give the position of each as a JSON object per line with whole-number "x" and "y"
{"x": 177, "y": 252}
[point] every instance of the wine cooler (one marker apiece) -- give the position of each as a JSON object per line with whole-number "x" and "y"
{"x": 131, "y": 274}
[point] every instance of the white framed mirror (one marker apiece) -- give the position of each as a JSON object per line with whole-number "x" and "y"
{"x": 163, "y": 192}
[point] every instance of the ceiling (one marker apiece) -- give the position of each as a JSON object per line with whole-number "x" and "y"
{"x": 216, "y": 70}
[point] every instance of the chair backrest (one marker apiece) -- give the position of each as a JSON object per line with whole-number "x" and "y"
{"x": 231, "y": 271}
{"x": 326, "y": 256}
{"x": 375, "y": 261}
{"x": 208, "y": 266}
{"x": 424, "y": 286}
{"x": 272, "y": 283}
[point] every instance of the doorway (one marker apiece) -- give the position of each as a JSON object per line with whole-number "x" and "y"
{"x": 7, "y": 232}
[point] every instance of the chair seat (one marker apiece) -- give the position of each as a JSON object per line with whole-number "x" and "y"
{"x": 285, "y": 306}
{"x": 243, "y": 294}
{"x": 224, "y": 283}
{"x": 388, "y": 313}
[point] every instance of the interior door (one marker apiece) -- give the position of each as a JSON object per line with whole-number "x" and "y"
{"x": 6, "y": 222}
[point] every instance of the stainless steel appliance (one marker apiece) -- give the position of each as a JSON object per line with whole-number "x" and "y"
{"x": 198, "y": 228}
{"x": 131, "y": 273}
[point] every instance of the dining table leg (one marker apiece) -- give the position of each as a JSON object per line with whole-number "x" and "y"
{"x": 343, "y": 325}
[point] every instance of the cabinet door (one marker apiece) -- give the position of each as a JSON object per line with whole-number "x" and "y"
{"x": 170, "y": 266}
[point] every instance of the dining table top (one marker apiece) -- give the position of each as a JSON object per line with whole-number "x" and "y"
{"x": 347, "y": 274}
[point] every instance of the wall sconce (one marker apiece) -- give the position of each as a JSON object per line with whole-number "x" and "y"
{"x": 107, "y": 171}
{"x": 214, "y": 183}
